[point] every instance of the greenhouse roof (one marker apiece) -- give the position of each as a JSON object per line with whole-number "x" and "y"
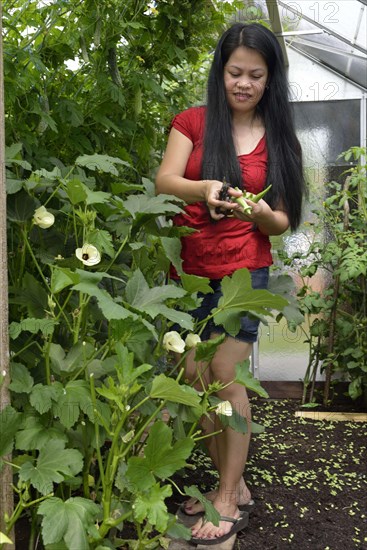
{"x": 333, "y": 33}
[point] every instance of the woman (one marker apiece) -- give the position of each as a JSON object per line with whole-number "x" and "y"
{"x": 244, "y": 135}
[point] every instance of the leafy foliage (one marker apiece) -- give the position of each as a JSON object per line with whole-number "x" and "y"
{"x": 338, "y": 312}
{"x": 101, "y": 77}
{"x": 68, "y": 521}
{"x": 89, "y": 297}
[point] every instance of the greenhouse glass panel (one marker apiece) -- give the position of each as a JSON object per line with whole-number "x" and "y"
{"x": 327, "y": 128}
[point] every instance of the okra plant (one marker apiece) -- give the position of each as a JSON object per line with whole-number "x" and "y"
{"x": 100, "y": 418}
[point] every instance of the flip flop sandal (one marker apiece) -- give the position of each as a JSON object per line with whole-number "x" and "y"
{"x": 248, "y": 507}
{"x": 238, "y": 524}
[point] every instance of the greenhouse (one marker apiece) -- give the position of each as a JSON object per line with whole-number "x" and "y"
{"x": 184, "y": 279}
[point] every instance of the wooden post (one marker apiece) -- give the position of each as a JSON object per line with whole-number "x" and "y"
{"x": 6, "y": 475}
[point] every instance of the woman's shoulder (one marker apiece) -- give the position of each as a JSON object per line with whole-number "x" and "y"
{"x": 196, "y": 113}
{"x": 190, "y": 121}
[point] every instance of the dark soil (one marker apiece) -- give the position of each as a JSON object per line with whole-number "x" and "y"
{"x": 308, "y": 478}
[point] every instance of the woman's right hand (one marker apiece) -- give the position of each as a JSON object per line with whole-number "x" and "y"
{"x": 217, "y": 208}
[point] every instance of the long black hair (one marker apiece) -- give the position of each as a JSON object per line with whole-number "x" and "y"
{"x": 285, "y": 171}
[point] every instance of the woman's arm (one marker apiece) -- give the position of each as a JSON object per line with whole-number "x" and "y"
{"x": 274, "y": 224}
{"x": 170, "y": 177}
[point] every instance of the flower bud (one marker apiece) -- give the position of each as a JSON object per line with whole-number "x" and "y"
{"x": 43, "y": 218}
{"x": 172, "y": 341}
{"x": 192, "y": 340}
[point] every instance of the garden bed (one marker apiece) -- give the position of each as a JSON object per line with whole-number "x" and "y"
{"x": 309, "y": 480}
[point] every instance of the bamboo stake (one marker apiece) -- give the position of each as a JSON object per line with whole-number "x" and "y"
{"x": 6, "y": 475}
{"x": 331, "y": 416}
{"x": 332, "y": 320}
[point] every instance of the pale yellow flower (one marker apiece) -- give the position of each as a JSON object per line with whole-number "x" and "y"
{"x": 224, "y": 408}
{"x": 172, "y": 341}
{"x": 43, "y": 218}
{"x": 192, "y": 340}
{"x": 88, "y": 254}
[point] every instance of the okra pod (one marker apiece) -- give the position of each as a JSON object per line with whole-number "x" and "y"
{"x": 250, "y": 196}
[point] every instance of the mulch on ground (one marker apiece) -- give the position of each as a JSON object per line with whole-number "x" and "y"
{"x": 308, "y": 478}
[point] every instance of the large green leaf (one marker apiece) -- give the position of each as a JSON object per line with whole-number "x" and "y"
{"x": 140, "y": 296}
{"x": 169, "y": 389}
{"x": 46, "y": 326}
{"x": 110, "y": 309}
{"x": 127, "y": 372}
{"x": 21, "y": 207}
{"x": 13, "y": 185}
{"x": 150, "y": 506}
{"x": 138, "y": 205}
{"x": 74, "y": 398}
{"x": 152, "y": 300}
{"x": 285, "y": 286}
{"x": 102, "y": 240}
{"x": 211, "y": 514}
{"x": 193, "y": 283}
{"x": 161, "y": 459}
{"x": 101, "y": 163}
{"x": 172, "y": 249}
{"x": 89, "y": 285}
{"x": 35, "y": 434}
{"x": 53, "y": 465}
{"x": 62, "y": 278}
{"x": 79, "y": 192}
{"x": 239, "y": 297}
{"x": 177, "y": 530}
{"x": 184, "y": 320}
{"x": 235, "y": 421}
{"x": 68, "y": 521}
{"x": 34, "y": 296}
{"x": 42, "y": 396}
{"x": 21, "y": 380}
{"x": 245, "y": 378}
{"x": 43, "y": 175}
{"x": 130, "y": 333}
{"x": 76, "y": 191}
{"x": 73, "y": 360}
{"x": 206, "y": 350}
{"x": 355, "y": 388}
{"x": 10, "y": 420}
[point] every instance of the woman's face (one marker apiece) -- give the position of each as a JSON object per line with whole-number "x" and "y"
{"x": 245, "y": 78}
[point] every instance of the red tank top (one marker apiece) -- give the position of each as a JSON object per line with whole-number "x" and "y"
{"x": 218, "y": 248}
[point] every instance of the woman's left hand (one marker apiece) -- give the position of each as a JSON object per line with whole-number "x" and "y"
{"x": 260, "y": 211}
{"x": 268, "y": 221}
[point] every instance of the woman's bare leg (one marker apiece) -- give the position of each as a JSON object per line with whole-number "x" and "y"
{"x": 231, "y": 447}
{"x": 192, "y": 505}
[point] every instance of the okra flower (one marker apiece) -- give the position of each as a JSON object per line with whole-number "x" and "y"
{"x": 88, "y": 254}
{"x": 43, "y": 218}
{"x": 172, "y": 341}
{"x": 192, "y": 340}
{"x": 224, "y": 408}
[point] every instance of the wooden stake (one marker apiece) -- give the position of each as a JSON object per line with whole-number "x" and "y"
{"x": 331, "y": 416}
{"x": 6, "y": 475}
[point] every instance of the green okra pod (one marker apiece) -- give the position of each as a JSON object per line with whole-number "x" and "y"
{"x": 250, "y": 196}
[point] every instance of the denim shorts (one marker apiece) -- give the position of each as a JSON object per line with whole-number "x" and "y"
{"x": 249, "y": 325}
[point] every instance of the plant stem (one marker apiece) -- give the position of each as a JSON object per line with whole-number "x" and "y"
{"x": 44, "y": 280}
{"x": 207, "y": 435}
{"x": 96, "y": 432}
{"x": 47, "y": 360}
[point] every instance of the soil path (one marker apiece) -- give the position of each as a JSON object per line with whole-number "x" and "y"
{"x": 308, "y": 478}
